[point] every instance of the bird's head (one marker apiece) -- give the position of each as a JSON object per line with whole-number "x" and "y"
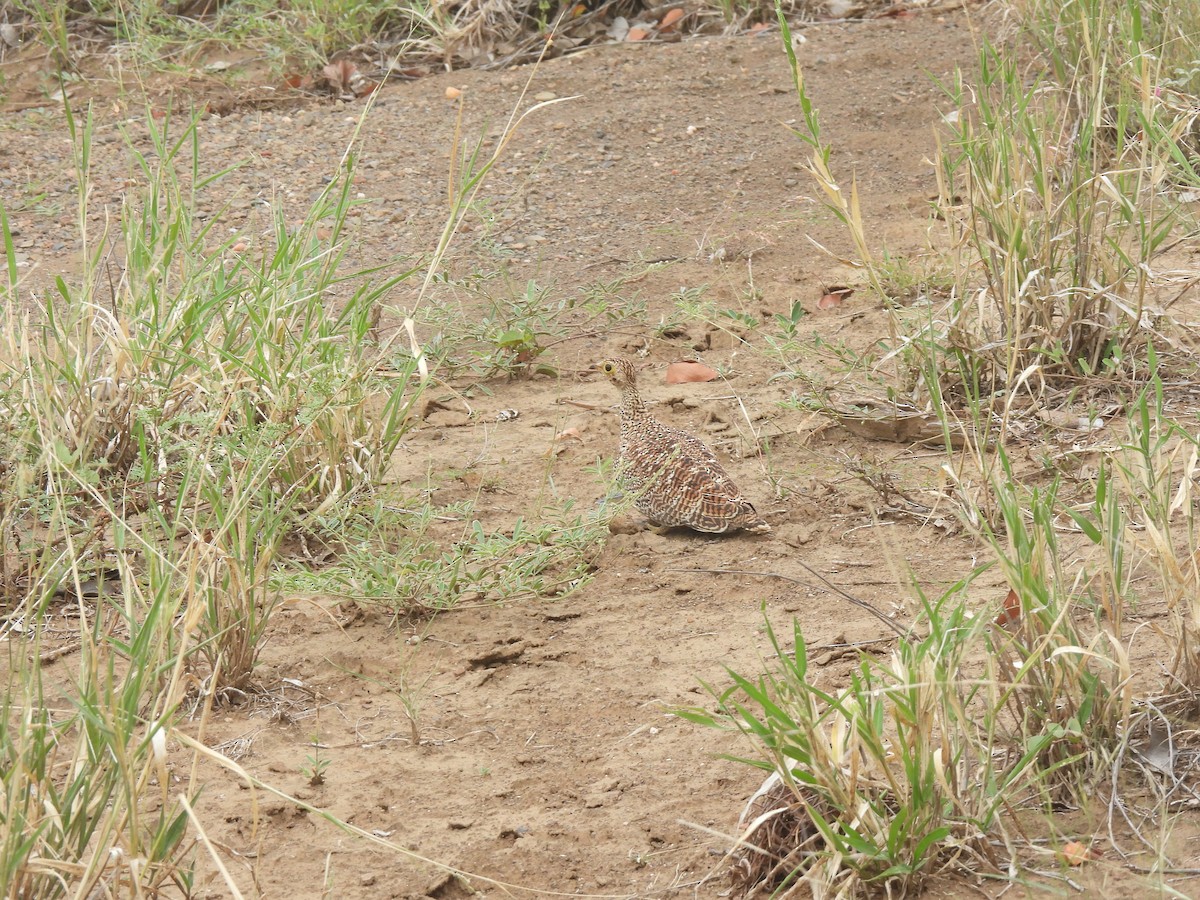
{"x": 619, "y": 372}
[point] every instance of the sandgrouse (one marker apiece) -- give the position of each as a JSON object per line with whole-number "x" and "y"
{"x": 674, "y": 478}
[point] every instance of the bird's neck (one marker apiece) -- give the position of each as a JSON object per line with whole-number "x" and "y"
{"x": 632, "y": 407}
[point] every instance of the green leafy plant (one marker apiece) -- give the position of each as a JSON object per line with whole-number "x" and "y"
{"x": 172, "y": 420}
{"x": 1063, "y": 221}
{"x": 1069, "y": 694}
{"x": 791, "y": 322}
{"x": 299, "y": 34}
{"x": 508, "y": 338}
{"x": 315, "y": 763}
{"x": 153, "y": 436}
{"x": 401, "y": 565}
{"x": 868, "y": 783}
{"x": 1147, "y": 481}
{"x": 920, "y": 760}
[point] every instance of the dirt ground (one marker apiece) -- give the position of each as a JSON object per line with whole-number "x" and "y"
{"x": 548, "y": 758}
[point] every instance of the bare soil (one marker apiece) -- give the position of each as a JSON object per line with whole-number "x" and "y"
{"x": 546, "y": 756}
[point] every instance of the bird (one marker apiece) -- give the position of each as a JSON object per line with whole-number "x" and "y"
{"x": 674, "y": 478}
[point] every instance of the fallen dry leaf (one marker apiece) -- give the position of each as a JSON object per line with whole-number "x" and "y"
{"x": 563, "y": 441}
{"x": 1012, "y": 610}
{"x": 834, "y": 296}
{"x": 1076, "y": 853}
{"x": 339, "y": 74}
{"x": 1160, "y": 752}
{"x": 686, "y": 372}
{"x": 670, "y": 19}
{"x": 453, "y": 93}
{"x": 637, "y": 34}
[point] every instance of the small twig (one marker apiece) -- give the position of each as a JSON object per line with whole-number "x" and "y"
{"x": 366, "y": 743}
{"x": 414, "y": 512}
{"x": 51, "y": 655}
{"x": 1157, "y": 870}
{"x": 850, "y": 645}
{"x": 1058, "y": 876}
{"x": 829, "y": 584}
{"x": 581, "y": 405}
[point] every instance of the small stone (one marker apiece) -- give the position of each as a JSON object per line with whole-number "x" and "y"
{"x": 623, "y": 525}
{"x": 543, "y": 96}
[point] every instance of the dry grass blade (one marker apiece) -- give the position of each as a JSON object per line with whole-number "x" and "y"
{"x": 230, "y": 884}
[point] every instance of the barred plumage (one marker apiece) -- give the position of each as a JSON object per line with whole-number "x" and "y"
{"x": 674, "y": 478}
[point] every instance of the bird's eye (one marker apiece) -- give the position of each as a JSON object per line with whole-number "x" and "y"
{"x": 608, "y": 367}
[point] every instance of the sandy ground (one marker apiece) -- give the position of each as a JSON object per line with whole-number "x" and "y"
{"x": 547, "y": 756}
